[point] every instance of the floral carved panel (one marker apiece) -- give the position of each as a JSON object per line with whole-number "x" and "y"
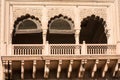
{"x": 101, "y": 12}
{"x": 19, "y": 11}
{"x": 64, "y": 10}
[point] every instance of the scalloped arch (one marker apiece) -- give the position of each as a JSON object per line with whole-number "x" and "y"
{"x": 93, "y": 30}
{"x": 60, "y": 23}
{"x": 27, "y": 17}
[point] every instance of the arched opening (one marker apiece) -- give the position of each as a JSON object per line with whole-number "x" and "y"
{"x": 60, "y": 30}
{"x": 27, "y": 30}
{"x": 93, "y": 30}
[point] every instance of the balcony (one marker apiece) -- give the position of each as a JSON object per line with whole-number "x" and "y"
{"x": 86, "y": 58}
{"x": 62, "y": 49}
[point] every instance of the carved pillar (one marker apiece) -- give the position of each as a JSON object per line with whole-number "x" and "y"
{"x": 44, "y": 35}
{"x": 77, "y": 48}
{"x": 2, "y": 27}
{"x": 77, "y": 24}
{"x": 10, "y": 47}
{"x": 77, "y": 29}
{"x": 77, "y": 36}
{"x": 2, "y": 47}
{"x": 44, "y": 23}
{"x": 44, "y": 27}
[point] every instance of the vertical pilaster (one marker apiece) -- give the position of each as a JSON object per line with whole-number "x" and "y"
{"x": 44, "y": 35}
{"x": 44, "y": 23}
{"x": 77, "y": 29}
{"x": 2, "y": 38}
{"x": 2, "y": 28}
{"x": 117, "y": 20}
{"x": 2, "y": 21}
{"x": 110, "y": 25}
{"x": 77, "y": 24}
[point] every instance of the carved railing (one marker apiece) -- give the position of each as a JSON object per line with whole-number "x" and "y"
{"x": 101, "y": 49}
{"x": 27, "y": 49}
{"x": 63, "y": 49}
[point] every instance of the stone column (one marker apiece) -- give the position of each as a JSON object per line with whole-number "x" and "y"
{"x": 2, "y": 27}
{"x": 45, "y": 27}
{"x": 77, "y": 36}
{"x": 44, "y": 35}
{"x": 77, "y": 29}
{"x": 2, "y": 47}
{"x": 44, "y": 23}
{"x": 77, "y": 24}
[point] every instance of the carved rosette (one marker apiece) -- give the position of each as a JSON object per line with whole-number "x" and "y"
{"x": 102, "y": 12}
{"x": 66, "y": 11}
{"x": 18, "y": 11}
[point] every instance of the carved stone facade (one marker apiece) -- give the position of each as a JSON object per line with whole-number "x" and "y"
{"x": 101, "y": 12}
{"x": 56, "y": 10}
{"x": 95, "y": 60}
{"x": 19, "y": 11}
{"x": 66, "y": 11}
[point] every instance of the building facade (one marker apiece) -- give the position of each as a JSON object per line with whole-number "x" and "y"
{"x": 53, "y": 39}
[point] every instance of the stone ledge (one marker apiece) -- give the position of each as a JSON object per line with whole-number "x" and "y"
{"x": 61, "y": 57}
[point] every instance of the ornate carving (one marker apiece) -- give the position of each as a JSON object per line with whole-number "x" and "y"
{"x": 67, "y": 11}
{"x": 18, "y": 11}
{"x": 102, "y": 12}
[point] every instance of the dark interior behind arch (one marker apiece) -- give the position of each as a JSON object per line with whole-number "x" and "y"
{"x": 26, "y": 23}
{"x": 93, "y": 30}
{"x": 60, "y": 23}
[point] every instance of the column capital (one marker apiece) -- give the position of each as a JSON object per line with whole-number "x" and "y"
{"x": 77, "y": 31}
{"x": 44, "y": 31}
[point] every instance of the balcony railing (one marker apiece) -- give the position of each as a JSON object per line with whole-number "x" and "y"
{"x": 63, "y": 49}
{"x": 27, "y": 49}
{"x": 101, "y": 49}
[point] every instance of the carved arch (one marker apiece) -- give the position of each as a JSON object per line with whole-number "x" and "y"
{"x": 60, "y": 30}
{"x": 93, "y": 30}
{"x": 61, "y": 24}
{"x": 27, "y": 30}
{"x": 27, "y": 24}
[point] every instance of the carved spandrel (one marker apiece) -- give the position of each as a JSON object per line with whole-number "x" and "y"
{"x": 102, "y": 12}
{"x": 66, "y": 11}
{"x": 19, "y": 11}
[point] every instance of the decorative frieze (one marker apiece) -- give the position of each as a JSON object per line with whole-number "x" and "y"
{"x": 101, "y": 12}
{"x": 64, "y": 10}
{"x": 19, "y": 11}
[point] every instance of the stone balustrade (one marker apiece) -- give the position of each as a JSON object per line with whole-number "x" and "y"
{"x": 63, "y": 49}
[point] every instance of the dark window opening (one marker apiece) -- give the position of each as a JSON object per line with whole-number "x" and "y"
{"x": 25, "y": 23}
{"x": 33, "y": 38}
{"x": 60, "y": 23}
{"x": 92, "y": 30}
{"x": 61, "y": 38}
